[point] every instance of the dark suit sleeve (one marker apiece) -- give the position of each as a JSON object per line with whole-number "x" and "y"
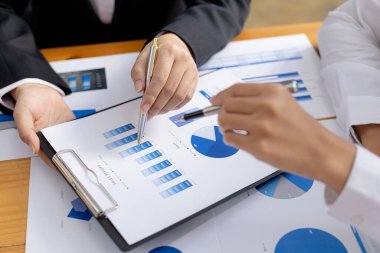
{"x": 19, "y": 56}
{"x": 207, "y": 26}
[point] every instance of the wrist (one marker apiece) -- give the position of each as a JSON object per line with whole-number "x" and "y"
{"x": 15, "y": 93}
{"x": 333, "y": 160}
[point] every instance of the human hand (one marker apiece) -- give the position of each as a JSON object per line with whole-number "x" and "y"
{"x": 174, "y": 79}
{"x": 369, "y": 136}
{"x": 38, "y": 106}
{"x": 281, "y": 133}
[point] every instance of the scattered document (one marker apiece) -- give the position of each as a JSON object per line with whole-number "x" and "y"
{"x": 254, "y": 221}
{"x": 275, "y": 60}
{"x": 169, "y": 172}
{"x": 11, "y": 146}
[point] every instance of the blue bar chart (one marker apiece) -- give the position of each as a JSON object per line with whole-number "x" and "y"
{"x": 301, "y": 95}
{"x": 168, "y": 177}
{"x": 156, "y": 168}
{"x": 234, "y": 61}
{"x": 149, "y": 157}
{"x": 118, "y": 130}
{"x": 176, "y": 189}
{"x": 135, "y": 149}
{"x": 121, "y": 142}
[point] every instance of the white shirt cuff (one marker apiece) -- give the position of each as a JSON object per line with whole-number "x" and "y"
{"x": 359, "y": 202}
{"x": 9, "y": 103}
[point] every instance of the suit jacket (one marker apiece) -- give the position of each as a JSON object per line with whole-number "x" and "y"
{"x": 27, "y": 25}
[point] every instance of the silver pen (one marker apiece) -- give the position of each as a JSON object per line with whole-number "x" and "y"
{"x": 151, "y": 63}
{"x": 214, "y": 109}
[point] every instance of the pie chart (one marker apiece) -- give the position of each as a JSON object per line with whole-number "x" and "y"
{"x": 208, "y": 141}
{"x": 286, "y": 186}
{"x": 165, "y": 249}
{"x": 309, "y": 240}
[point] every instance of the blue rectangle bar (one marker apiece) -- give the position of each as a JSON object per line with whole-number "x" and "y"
{"x": 166, "y": 178}
{"x": 157, "y": 167}
{"x": 83, "y": 113}
{"x": 149, "y": 157}
{"x": 205, "y": 94}
{"x": 4, "y": 118}
{"x": 136, "y": 149}
{"x": 121, "y": 142}
{"x": 303, "y": 98}
{"x": 176, "y": 189}
{"x": 180, "y": 123}
{"x": 118, "y": 130}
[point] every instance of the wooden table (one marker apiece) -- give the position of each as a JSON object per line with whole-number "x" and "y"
{"x": 14, "y": 175}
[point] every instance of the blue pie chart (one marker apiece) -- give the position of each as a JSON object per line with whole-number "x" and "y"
{"x": 165, "y": 249}
{"x": 208, "y": 141}
{"x": 309, "y": 240}
{"x": 286, "y": 186}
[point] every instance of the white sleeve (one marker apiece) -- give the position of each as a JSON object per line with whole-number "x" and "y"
{"x": 349, "y": 43}
{"x": 8, "y": 102}
{"x": 359, "y": 202}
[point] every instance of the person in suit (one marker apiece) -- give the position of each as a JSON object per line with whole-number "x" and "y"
{"x": 189, "y": 31}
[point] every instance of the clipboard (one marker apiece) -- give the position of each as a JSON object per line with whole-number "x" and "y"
{"x": 101, "y": 214}
{"x": 194, "y": 167}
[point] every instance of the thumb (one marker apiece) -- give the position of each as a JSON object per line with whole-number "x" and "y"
{"x": 25, "y": 125}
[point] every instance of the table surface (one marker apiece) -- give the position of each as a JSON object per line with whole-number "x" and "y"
{"x": 14, "y": 175}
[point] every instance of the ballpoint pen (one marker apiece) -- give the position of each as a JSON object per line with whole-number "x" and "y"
{"x": 212, "y": 110}
{"x": 151, "y": 63}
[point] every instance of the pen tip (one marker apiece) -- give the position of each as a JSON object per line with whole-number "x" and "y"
{"x": 180, "y": 119}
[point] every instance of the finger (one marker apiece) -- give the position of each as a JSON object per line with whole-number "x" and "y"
{"x": 25, "y": 125}
{"x": 161, "y": 72}
{"x": 172, "y": 90}
{"x": 237, "y": 140}
{"x": 139, "y": 69}
{"x": 230, "y": 121}
{"x": 191, "y": 92}
{"x": 183, "y": 93}
{"x": 242, "y": 105}
{"x": 237, "y": 90}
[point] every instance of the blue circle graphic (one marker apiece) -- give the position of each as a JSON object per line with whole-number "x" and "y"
{"x": 309, "y": 240}
{"x": 286, "y": 186}
{"x": 165, "y": 249}
{"x": 209, "y": 142}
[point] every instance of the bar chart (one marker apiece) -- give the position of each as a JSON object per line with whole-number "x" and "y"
{"x": 154, "y": 165}
{"x": 240, "y": 60}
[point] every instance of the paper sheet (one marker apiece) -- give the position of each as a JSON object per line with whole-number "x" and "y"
{"x": 11, "y": 146}
{"x": 251, "y": 222}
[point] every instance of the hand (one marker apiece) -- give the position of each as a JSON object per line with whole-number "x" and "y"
{"x": 369, "y": 136}
{"x": 38, "y": 106}
{"x": 174, "y": 79}
{"x": 281, "y": 133}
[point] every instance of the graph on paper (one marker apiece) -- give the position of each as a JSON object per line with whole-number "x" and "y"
{"x": 154, "y": 164}
{"x": 286, "y": 186}
{"x": 208, "y": 141}
{"x": 240, "y": 60}
{"x": 309, "y": 240}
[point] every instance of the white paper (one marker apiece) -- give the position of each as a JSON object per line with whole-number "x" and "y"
{"x": 273, "y": 60}
{"x": 125, "y": 177}
{"x": 251, "y": 222}
{"x": 120, "y": 86}
{"x": 11, "y": 146}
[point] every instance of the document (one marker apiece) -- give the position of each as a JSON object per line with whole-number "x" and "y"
{"x": 251, "y": 222}
{"x": 96, "y": 83}
{"x": 180, "y": 168}
{"x": 274, "y": 60}
{"x": 11, "y": 146}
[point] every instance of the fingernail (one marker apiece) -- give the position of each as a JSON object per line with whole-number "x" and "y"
{"x": 138, "y": 86}
{"x": 33, "y": 150}
{"x": 145, "y": 107}
{"x": 215, "y": 101}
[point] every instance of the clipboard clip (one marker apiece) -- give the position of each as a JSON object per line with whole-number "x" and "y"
{"x": 82, "y": 192}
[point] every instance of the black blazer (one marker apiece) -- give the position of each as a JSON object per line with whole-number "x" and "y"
{"x": 27, "y": 25}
